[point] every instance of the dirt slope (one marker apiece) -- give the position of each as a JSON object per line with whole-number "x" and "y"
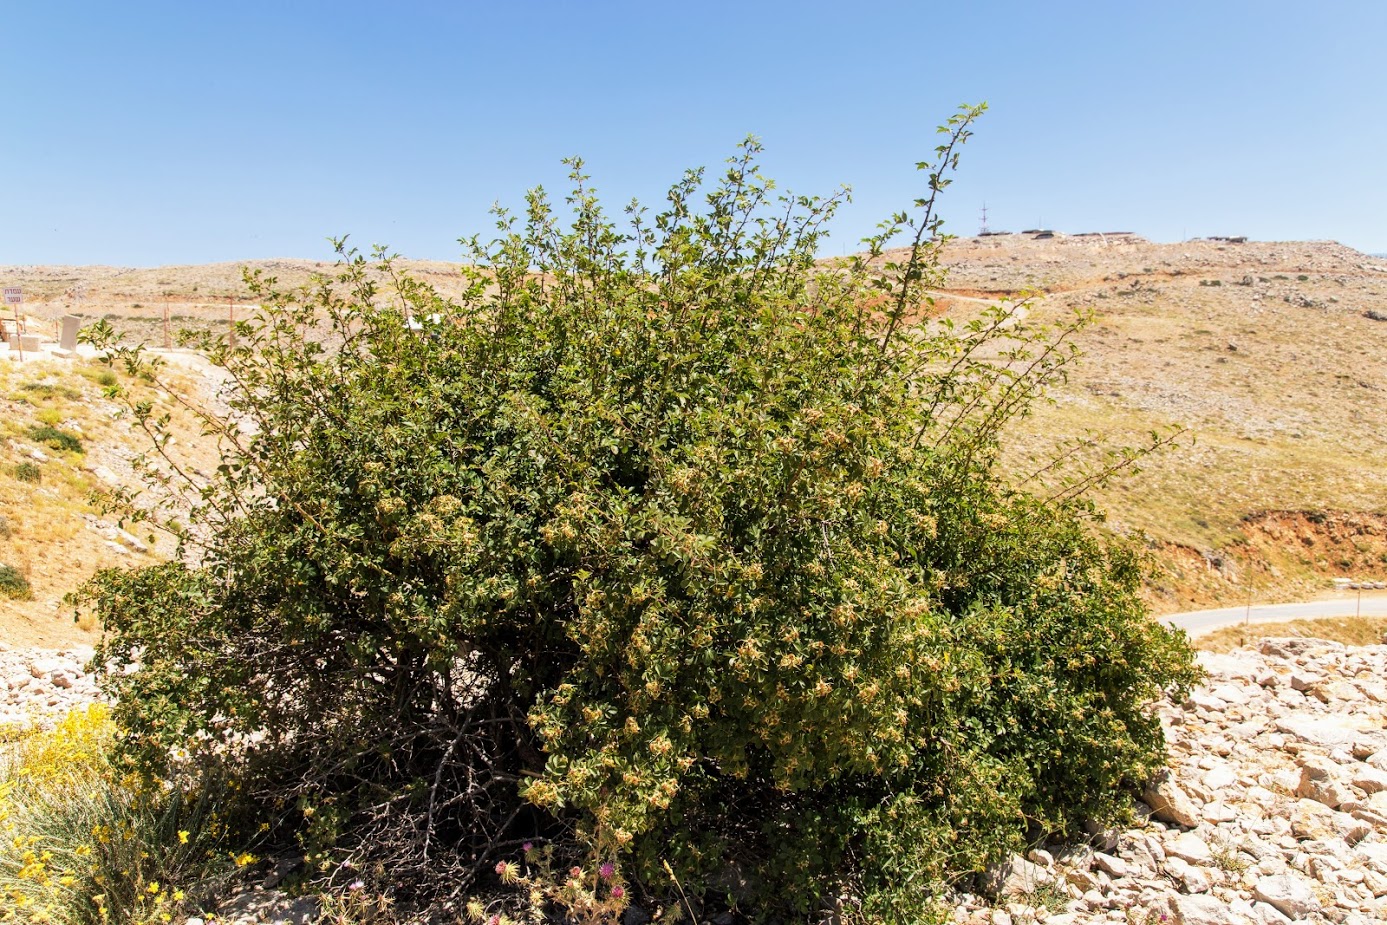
{"x": 52, "y": 534}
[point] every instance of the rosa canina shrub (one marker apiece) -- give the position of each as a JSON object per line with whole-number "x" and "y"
{"x": 665, "y": 545}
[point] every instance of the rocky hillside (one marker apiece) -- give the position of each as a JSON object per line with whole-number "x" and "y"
{"x": 1273, "y": 355}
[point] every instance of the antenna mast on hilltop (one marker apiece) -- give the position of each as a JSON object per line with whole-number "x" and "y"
{"x": 983, "y": 229}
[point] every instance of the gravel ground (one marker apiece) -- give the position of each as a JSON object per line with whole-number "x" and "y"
{"x": 39, "y": 686}
{"x": 1274, "y": 807}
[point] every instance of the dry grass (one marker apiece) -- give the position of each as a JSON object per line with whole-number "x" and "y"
{"x": 1351, "y": 631}
{"x": 198, "y": 298}
{"x": 1279, "y": 382}
{"x": 48, "y": 535}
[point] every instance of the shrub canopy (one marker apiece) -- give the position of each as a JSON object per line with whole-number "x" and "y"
{"x": 666, "y": 542}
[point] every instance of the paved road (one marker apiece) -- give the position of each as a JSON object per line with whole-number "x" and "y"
{"x": 1199, "y": 622}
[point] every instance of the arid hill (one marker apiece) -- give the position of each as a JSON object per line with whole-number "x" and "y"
{"x": 1272, "y": 355}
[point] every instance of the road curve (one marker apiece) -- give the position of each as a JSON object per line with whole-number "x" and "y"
{"x": 1199, "y": 622}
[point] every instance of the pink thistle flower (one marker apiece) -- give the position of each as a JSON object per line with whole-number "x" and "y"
{"x": 528, "y": 847}
{"x": 618, "y": 892}
{"x": 576, "y": 873}
{"x": 356, "y": 885}
{"x": 495, "y": 920}
{"x": 501, "y": 867}
{"x": 606, "y": 870}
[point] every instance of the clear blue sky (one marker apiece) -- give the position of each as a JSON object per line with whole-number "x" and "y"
{"x": 145, "y": 133}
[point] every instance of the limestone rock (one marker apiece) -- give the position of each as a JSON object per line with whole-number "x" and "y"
{"x": 1111, "y": 865}
{"x": 42, "y": 685}
{"x": 1290, "y": 894}
{"x": 1268, "y": 915}
{"x": 1319, "y": 781}
{"x": 1015, "y": 876}
{"x": 1233, "y": 665}
{"x": 1169, "y": 802}
{"x": 1191, "y": 878}
{"x": 1076, "y": 857}
{"x": 1292, "y": 647}
{"x": 271, "y": 907}
{"x": 1200, "y": 910}
{"x": 1220, "y": 777}
{"x": 1191, "y": 848}
{"x": 1317, "y": 730}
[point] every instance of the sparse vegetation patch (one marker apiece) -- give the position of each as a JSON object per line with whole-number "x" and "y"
{"x": 55, "y": 437}
{"x": 13, "y": 584}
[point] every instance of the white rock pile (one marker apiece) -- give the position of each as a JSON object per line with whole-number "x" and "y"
{"x": 40, "y": 686}
{"x": 1274, "y": 808}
